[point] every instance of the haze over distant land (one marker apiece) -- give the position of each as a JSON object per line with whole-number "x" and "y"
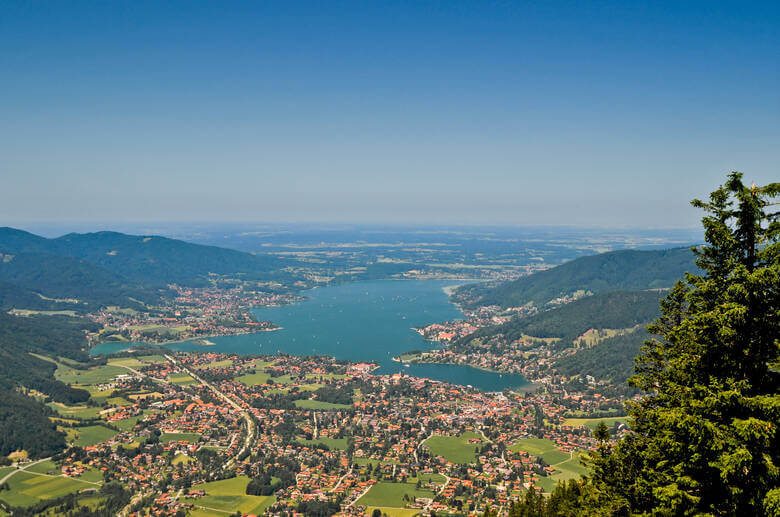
{"x": 607, "y": 114}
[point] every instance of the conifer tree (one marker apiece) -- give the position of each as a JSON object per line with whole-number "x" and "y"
{"x": 705, "y": 439}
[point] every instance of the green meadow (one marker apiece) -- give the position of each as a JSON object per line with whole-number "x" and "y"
{"x": 98, "y": 375}
{"x": 592, "y": 423}
{"x": 545, "y": 449}
{"x": 391, "y": 495}
{"x": 455, "y": 449}
{"x": 75, "y": 411}
{"x": 229, "y": 496}
{"x": 567, "y": 464}
{"x": 332, "y": 443}
{"x": 27, "y": 488}
{"x": 90, "y": 435}
{"x": 179, "y": 437}
{"x": 317, "y": 404}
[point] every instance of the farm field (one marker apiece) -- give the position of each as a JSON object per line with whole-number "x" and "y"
{"x": 229, "y": 495}
{"x": 44, "y": 467}
{"x": 97, "y": 375}
{"x": 27, "y": 488}
{"x": 152, "y": 359}
{"x": 455, "y": 449}
{"x": 181, "y": 379}
{"x": 75, "y": 411}
{"x": 130, "y": 362}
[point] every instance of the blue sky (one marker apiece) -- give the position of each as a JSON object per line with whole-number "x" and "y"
{"x": 576, "y": 113}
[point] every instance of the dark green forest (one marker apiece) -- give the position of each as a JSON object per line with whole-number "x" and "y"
{"x": 610, "y": 360}
{"x": 612, "y": 310}
{"x": 113, "y": 268}
{"x": 705, "y": 437}
{"x": 24, "y": 422}
{"x": 616, "y": 270}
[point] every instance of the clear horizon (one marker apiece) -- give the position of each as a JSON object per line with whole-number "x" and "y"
{"x": 558, "y": 114}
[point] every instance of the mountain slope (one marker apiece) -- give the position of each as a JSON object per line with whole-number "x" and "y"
{"x": 64, "y": 277}
{"x": 611, "y": 360}
{"x": 110, "y": 268}
{"x": 161, "y": 261}
{"x": 24, "y": 422}
{"x": 612, "y": 310}
{"x": 616, "y": 270}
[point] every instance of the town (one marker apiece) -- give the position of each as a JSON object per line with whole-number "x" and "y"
{"x": 211, "y": 434}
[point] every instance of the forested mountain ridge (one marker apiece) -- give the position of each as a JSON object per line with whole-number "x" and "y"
{"x": 148, "y": 260}
{"x": 611, "y": 310}
{"x": 615, "y": 270}
{"x": 67, "y": 277}
{"x": 24, "y": 422}
{"x": 110, "y": 268}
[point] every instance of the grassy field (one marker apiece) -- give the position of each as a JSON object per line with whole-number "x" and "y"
{"x": 131, "y": 362}
{"x": 317, "y": 404}
{"x": 455, "y": 449}
{"x": 75, "y": 411}
{"x": 44, "y": 467}
{"x": 567, "y": 469}
{"x": 182, "y": 379}
{"x": 332, "y": 443}
{"x": 27, "y": 488}
{"x": 118, "y": 401}
{"x": 128, "y": 423}
{"x": 567, "y": 465}
{"x": 92, "y": 435}
{"x": 385, "y": 494}
{"x": 98, "y": 375}
{"x": 394, "y": 512}
{"x": 218, "y": 364}
{"x": 181, "y": 458}
{"x": 229, "y": 495}
{"x": 178, "y": 437}
{"x": 252, "y": 379}
{"x": 152, "y": 359}
{"x": 545, "y": 449}
{"x": 591, "y": 423}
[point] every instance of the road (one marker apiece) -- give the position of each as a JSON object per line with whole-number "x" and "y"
{"x": 250, "y": 423}
{"x": 8, "y": 476}
{"x": 446, "y": 482}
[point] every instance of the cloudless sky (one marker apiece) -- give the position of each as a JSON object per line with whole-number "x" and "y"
{"x": 576, "y": 113}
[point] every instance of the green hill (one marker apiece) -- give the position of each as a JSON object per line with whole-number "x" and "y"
{"x": 65, "y": 277}
{"x": 24, "y": 422}
{"x": 148, "y": 260}
{"x": 616, "y": 270}
{"x": 110, "y": 268}
{"x": 612, "y": 310}
{"x": 610, "y": 360}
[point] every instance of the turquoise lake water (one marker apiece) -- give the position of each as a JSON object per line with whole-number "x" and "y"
{"x": 360, "y": 321}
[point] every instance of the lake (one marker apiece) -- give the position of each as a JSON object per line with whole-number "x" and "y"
{"x": 359, "y": 321}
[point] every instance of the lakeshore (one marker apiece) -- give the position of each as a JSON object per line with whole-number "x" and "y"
{"x": 360, "y": 321}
